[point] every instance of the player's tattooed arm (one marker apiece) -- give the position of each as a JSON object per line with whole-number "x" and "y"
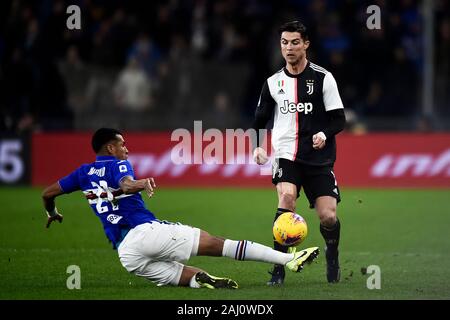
{"x": 48, "y": 197}
{"x": 129, "y": 185}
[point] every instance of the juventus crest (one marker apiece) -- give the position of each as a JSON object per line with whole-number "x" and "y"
{"x": 310, "y": 85}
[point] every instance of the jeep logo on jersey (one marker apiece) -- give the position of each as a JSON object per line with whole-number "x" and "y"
{"x": 299, "y": 107}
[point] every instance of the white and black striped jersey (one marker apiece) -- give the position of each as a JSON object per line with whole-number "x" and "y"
{"x": 302, "y": 105}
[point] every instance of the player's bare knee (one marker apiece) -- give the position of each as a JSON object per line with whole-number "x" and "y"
{"x": 328, "y": 216}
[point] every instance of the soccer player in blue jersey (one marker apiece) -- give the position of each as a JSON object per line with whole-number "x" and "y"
{"x": 146, "y": 246}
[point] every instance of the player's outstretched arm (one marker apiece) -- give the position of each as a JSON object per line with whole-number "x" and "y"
{"x": 129, "y": 185}
{"x": 48, "y": 197}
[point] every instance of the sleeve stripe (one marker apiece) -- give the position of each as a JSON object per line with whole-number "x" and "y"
{"x": 329, "y": 108}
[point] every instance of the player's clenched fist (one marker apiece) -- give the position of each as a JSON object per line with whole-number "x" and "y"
{"x": 319, "y": 140}
{"x": 260, "y": 156}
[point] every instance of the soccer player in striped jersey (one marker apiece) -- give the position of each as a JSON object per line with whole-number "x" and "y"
{"x": 146, "y": 246}
{"x": 308, "y": 112}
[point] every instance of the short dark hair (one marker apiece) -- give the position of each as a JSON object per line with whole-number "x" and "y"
{"x": 103, "y": 136}
{"x": 295, "y": 26}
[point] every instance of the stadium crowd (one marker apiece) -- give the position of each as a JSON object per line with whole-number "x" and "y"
{"x": 162, "y": 64}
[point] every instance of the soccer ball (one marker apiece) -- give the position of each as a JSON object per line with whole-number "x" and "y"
{"x": 290, "y": 229}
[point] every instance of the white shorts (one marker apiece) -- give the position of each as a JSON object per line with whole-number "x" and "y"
{"x": 155, "y": 250}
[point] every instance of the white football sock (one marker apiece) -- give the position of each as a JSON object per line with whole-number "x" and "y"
{"x": 193, "y": 283}
{"x": 252, "y": 251}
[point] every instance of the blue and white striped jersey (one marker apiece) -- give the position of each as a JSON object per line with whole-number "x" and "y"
{"x": 99, "y": 182}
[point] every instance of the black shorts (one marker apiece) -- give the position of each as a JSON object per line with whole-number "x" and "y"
{"x": 316, "y": 181}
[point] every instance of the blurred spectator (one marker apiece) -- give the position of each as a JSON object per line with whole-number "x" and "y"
{"x": 376, "y": 101}
{"x": 425, "y": 124}
{"x": 50, "y": 99}
{"x": 401, "y": 86}
{"x": 353, "y": 123}
{"x": 443, "y": 68}
{"x": 146, "y": 54}
{"x": 75, "y": 76}
{"x": 199, "y": 37}
{"x": 102, "y": 48}
{"x": 168, "y": 47}
{"x": 132, "y": 89}
{"x": 17, "y": 87}
{"x": 221, "y": 115}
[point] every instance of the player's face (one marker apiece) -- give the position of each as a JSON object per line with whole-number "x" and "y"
{"x": 119, "y": 150}
{"x": 293, "y": 48}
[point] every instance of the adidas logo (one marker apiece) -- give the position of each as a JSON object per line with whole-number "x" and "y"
{"x": 281, "y": 91}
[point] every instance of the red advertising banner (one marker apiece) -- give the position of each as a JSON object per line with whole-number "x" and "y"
{"x": 394, "y": 160}
{"x": 373, "y": 160}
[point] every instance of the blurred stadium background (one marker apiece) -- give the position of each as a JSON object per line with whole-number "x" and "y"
{"x": 149, "y": 67}
{"x": 165, "y": 63}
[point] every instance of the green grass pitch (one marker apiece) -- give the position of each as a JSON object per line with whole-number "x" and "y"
{"x": 404, "y": 232}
